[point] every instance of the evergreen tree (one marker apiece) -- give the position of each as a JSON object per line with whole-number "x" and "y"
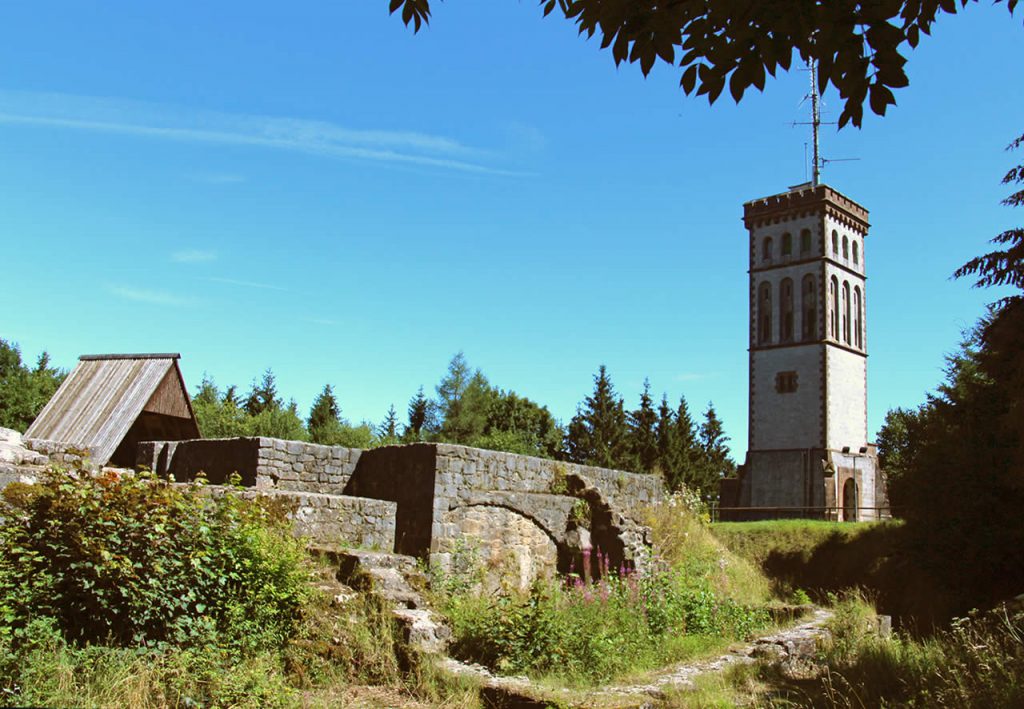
{"x": 23, "y": 391}
{"x": 598, "y": 434}
{"x": 387, "y": 432}
{"x": 643, "y": 435}
{"x": 231, "y": 396}
{"x": 668, "y": 446}
{"x": 278, "y": 422}
{"x": 207, "y": 392}
{"x": 464, "y": 398}
{"x": 324, "y": 417}
{"x": 217, "y": 418}
{"x": 715, "y": 463}
{"x": 419, "y": 417}
{"x": 263, "y": 396}
{"x": 679, "y": 453}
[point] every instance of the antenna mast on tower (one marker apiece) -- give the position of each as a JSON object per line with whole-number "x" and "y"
{"x": 815, "y": 122}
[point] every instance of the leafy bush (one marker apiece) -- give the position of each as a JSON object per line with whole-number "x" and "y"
{"x": 133, "y": 560}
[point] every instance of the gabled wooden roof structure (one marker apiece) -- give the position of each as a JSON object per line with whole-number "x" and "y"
{"x": 111, "y": 402}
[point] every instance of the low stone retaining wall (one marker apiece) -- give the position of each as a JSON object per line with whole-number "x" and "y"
{"x": 337, "y": 520}
{"x": 263, "y": 463}
{"x": 330, "y": 521}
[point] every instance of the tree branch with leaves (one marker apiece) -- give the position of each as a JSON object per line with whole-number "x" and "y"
{"x": 855, "y": 45}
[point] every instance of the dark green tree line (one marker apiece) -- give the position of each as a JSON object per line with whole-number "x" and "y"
{"x": 666, "y": 442}
{"x": 955, "y": 465}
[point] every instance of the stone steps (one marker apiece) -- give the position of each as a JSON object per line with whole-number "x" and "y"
{"x": 400, "y": 582}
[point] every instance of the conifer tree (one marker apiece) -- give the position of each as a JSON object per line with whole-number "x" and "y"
{"x": 216, "y": 418}
{"x": 387, "y": 432}
{"x": 598, "y": 434}
{"x": 668, "y": 445}
{"x": 263, "y": 396}
{"x": 324, "y": 416}
{"x": 230, "y": 397}
{"x": 206, "y": 392}
{"x": 679, "y": 452}
{"x": 24, "y": 391}
{"x": 716, "y": 462}
{"x": 464, "y": 397}
{"x": 419, "y": 417}
{"x": 643, "y": 435}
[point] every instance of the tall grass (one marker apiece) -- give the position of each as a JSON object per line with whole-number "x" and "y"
{"x": 977, "y": 662}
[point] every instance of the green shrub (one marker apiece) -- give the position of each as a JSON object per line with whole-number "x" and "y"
{"x": 133, "y": 560}
{"x": 694, "y": 596}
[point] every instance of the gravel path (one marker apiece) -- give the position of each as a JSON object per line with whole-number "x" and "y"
{"x": 785, "y": 646}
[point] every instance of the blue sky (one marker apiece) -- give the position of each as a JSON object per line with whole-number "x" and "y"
{"x": 308, "y": 186}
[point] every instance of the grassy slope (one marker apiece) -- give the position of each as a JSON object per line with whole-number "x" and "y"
{"x": 828, "y": 557}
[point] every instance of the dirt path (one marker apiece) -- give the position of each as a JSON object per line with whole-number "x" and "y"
{"x": 785, "y": 646}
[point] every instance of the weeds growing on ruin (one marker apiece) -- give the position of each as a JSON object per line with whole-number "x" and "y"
{"x": 687, "y": 602}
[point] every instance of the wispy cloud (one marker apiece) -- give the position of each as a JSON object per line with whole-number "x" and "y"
{"x": 193, "y": 256}
{"x": 152, "y": 297}
{"x": 164, "y": 122}
{"x": 694, "y": 376}
{"x": 246, "y": 284}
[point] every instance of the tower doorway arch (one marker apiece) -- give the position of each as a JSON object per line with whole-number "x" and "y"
{"x": 850, "y": 502}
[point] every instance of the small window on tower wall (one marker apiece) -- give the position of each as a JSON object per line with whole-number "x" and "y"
{"x": 805, "y": 241}
{"x": 785, "y": 382}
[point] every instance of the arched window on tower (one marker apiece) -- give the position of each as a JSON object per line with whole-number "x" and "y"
{"x": 766, "y": 249}
{"x": 764, "y": 314}
{"x": 846, "y": 248}
{"x": 786, "y": 310}
{"x": 805, "y": 242}
{"x": 858, "y": 309}
{"x": 833, "y": 320}
{"x": 787, "y": 244}
{"x": 846, "y": 312}
{"x": 835, "y": 242}
{"x": 809, "y": 306}
{"x": 856, "y": 252}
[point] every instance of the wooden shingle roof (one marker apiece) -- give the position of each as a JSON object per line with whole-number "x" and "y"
{"x": 103, "y": 397}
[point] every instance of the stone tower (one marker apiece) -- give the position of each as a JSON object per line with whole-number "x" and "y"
{"x": 807, "y": 446}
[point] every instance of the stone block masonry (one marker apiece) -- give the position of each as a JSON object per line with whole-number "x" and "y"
{"x": 337, "y": 520}
{"x": 263, "y": 463}
{"x": 523, "y": 517}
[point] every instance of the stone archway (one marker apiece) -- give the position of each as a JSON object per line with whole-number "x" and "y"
{"x": 851, "y": 502}
{"x": 508, "y": 547}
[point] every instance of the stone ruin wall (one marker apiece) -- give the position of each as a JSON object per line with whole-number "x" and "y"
{"x": 520, "y": 517}
{"x": 526, "y": 517}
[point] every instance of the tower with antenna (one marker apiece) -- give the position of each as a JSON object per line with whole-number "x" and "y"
{"x": 808, "y": 452}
